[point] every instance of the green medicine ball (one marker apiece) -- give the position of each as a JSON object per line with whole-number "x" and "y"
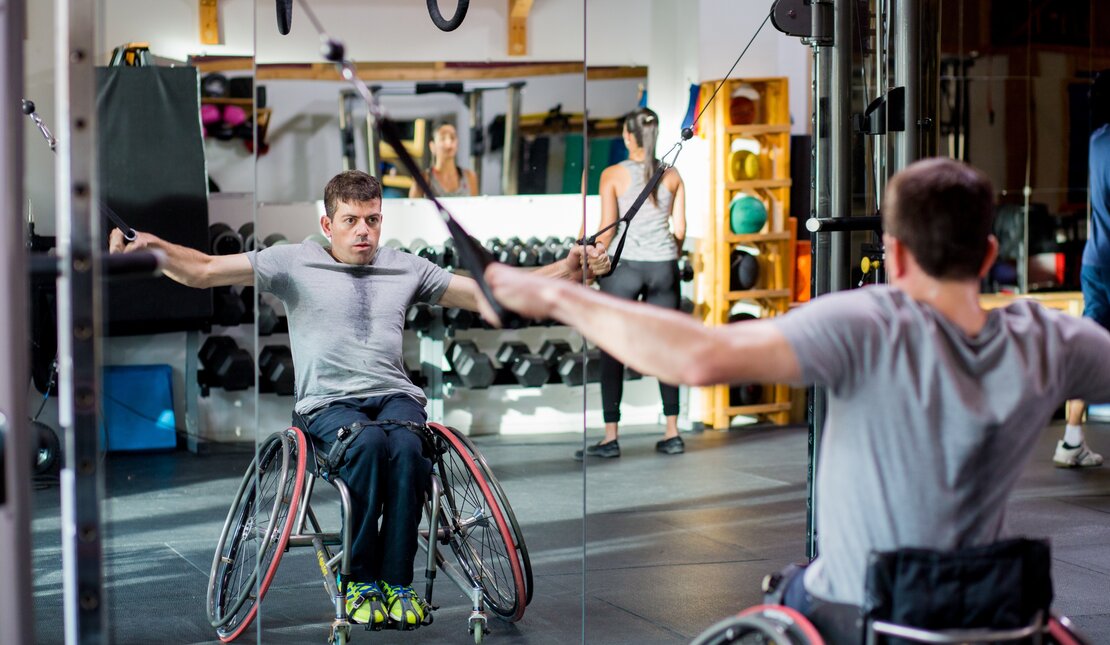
{"x": 747, "y": 214}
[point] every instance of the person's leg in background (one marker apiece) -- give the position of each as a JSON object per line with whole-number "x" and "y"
{"x": 1072, "y": 450}
{"x": 405, "y": 486}
{"x": 662, "y": 290}
{"x": 366, "y": 460}
{"x": 624, "y": 282}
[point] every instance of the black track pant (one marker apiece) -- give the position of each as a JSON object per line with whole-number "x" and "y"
{"x": 655, "y": 283}
{"x": 387, "y": 474}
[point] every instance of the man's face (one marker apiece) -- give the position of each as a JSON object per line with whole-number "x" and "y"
{"x": 354, "y": 230}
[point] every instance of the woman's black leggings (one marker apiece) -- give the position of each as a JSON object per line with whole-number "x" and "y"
{"x": 655, "y": 283}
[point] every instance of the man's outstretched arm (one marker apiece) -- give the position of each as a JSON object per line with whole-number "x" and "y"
{"x": 190, "y": 267}
{"x": 463, "y": 292}
{"x": 664, "y": 343}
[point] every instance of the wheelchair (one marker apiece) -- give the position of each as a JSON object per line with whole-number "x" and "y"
{"x": 999, "y": 593}
{"x": 466, "y": 510}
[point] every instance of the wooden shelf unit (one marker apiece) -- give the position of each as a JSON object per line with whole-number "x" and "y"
{"x": 774, "y": 245}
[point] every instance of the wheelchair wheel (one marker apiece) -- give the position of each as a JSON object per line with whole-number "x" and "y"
{"x": 506, "y": 510}
{"x": 480, "y": 536}
{"x": 255, "y": 533}
{"x": 762, "y": 625}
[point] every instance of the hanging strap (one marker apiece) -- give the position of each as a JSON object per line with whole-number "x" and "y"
{"x": 649, "y": 188}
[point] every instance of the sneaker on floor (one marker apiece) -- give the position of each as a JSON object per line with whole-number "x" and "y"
{"x": 607, "y": 450}
{"x": 365, "y": 603}
{"x": 672, "y": 446}
{"x": 1075, "y": 457}
{"x": 404, "y": 605}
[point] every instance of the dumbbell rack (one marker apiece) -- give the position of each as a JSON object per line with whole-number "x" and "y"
{"x": 773, "y": 247}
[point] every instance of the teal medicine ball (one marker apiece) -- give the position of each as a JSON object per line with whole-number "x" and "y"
{"x": 747, "y": 214}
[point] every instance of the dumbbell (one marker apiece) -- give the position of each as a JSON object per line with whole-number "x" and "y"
{"x": 471, "y": 367}
{"x": 685, "y": 268}
{"x": 740, "y": 317}
{"x": 431, "y": 254}
{"x": 222, "y": 240}
{"x": 457, "y": 319}
{"x": 421, "y": 316}
{"x": 227, "y": 309}
{"x": 274, "y": 239}
{"x": 275, "y": 370}
{"x": 450, "y": 258}
{"x": 318, "y": 238}
{"x": 750, "y": 394}
{"x": 225, "y": 364}
{"x": 269, "y": 321}
{"x": 509, "y": 253}
{"x": 246, "y": 233}
{"x": 494, "y": 245}
{"x": 551, "y": 351}
{"x": 526, "y": 255}
{"x": 396, "y": 245}
{"x": 745, "y": 271}
{"x": 686, "y": 305}
{"x": 570, "y": 367}
{"x": 529, "y": 370}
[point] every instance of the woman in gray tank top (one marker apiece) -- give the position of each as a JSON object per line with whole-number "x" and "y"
{"x": 648, "y": 268}
{"x": 444, "y": 174}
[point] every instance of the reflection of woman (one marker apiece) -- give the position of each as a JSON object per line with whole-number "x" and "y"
{"x": 444, "y": 174}
{"x": 648, "y": 268}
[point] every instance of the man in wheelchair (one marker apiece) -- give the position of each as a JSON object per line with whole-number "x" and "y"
{"x": 346, "y": 308}
{"x": 934, "y": 404}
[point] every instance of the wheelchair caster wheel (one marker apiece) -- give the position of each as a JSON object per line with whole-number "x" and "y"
{"x": 478, "y": 629}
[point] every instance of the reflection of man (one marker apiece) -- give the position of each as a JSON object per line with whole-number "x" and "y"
{"x": 346, "y": 306}
{"x": 1094, "y": 276}
{"x": 934, "y": 404}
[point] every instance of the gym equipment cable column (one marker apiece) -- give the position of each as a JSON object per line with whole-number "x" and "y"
{"x": 79, "y": 323}
{"x": 16, "y": 615}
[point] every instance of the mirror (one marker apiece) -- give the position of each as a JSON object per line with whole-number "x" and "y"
{"x": 372, "y": 343}
{"x": 170, "y": 456}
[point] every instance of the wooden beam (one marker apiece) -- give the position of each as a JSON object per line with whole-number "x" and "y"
{"x": 518, "y": 26}
{"x": 415, "y": 71}
{"x": 209, "y": 22}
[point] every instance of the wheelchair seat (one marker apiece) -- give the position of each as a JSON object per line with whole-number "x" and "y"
{"x": 993, "y": 593}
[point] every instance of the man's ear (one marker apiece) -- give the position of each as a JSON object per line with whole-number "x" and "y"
{"x": 991, "y": 256}
{"x": 894, "y": 254}
{"x": 325, "y": 225}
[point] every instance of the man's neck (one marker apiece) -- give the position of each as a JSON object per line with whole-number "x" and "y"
{"x": 956, "y": 300}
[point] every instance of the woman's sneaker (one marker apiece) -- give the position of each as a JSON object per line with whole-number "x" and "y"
{"x": 1075, "y": 456}
{"x": 365, "y": 603}
{"x": 404, "y": 605}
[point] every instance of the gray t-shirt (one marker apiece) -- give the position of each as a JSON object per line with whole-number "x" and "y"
{"x": 346, "y": 321}
{"x": 928, "y": 429}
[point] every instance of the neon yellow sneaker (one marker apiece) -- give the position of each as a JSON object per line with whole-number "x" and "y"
{"x": 365, "y": 603}
{"x": 404, "y": 605}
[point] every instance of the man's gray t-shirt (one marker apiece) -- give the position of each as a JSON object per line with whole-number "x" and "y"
{"x": 345, "y": 320}
{"x": 928, "y": 429}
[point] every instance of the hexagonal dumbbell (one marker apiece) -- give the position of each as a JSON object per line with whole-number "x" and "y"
{"x": 471, "y": 367}
{"x": 528, "y": 369}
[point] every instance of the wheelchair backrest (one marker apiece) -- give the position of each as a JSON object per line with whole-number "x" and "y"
{"x": 999, "y": 586}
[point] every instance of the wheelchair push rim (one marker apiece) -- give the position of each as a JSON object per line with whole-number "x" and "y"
{"x": 234, "y": 594}
{"x": 481, "y": 538}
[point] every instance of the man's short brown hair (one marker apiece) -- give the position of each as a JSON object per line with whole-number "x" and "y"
{"x": 350, "y": 186}
{"x": 942, "y": 211}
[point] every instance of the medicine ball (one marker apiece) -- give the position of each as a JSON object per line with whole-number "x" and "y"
{"x": 747, "y": 214}
{"x": 745, "y": 271}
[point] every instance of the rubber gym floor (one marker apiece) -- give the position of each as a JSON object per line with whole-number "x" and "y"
{"x": 673, "y": 543}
